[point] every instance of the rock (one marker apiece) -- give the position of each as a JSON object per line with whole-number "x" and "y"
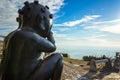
{"x": 82, "y": 78}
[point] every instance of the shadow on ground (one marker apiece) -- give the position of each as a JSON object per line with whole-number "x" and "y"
{"x": 97, "y": 75}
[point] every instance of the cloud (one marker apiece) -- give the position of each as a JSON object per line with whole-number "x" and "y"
{"x": 54, "y": 5}
{"x": 87, "y": 41}
{"x": 57, "y": 35}
{"x": 64, "y": 29}
{"x": 97, "y": 33}
{"x": 8, "y": 10}
{"x": 106, "y": 22}
{"x": 77, "y": 22}
{"x": 111, "y": 26}
{"x": 96, "y": 38}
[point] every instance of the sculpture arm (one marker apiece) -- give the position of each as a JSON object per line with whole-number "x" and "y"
{"x": 51, "y": 38}
{"x": 44, "y": 45}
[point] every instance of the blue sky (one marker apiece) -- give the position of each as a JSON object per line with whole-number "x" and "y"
{"x": 76, "y": 22}
{"x": 88, "y": 23}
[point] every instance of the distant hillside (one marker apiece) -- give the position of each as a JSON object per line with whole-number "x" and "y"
{"x": 2, "y": 36}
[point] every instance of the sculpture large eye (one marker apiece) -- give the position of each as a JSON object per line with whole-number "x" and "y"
{"x": 51, "y": 22}
{"x": 50, "y": 16}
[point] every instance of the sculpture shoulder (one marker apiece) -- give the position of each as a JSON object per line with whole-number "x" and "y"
{"x": 21, "y": 34}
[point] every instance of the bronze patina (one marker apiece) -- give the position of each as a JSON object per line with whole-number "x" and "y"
{"x": 23, "y": 47}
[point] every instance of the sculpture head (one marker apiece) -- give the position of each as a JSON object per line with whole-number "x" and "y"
{"x": 36, "y": 16}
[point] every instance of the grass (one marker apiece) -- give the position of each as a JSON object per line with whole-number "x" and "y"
{"x": 74, "y": 61}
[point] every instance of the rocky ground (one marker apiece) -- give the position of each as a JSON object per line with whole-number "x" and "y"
{"x": 73, "y": 69}
{"x": 79, "y": 70}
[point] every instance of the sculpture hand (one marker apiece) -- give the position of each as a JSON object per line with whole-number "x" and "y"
{"x": 51, "y": 38}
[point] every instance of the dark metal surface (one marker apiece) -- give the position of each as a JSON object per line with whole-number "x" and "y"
{"x": 23, "y": 47}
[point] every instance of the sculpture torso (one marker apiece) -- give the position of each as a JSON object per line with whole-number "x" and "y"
{"x": 22, "y": 51}
{"x": 23, "y": 47}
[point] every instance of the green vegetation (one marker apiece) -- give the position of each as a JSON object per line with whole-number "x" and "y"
{"x": 74, "y": 61}
{"x": 89, "y": 58}
{"x": 65, "y": 55}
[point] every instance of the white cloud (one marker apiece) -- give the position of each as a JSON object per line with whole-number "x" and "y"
{"x": 8, "y": 13}
{"x": 66, "y": 41}
{"x": 96, "y": 39}
{"x": 77, "y": 22}
{"x": 8, "y": 10}
{"x": 88, "y": 41}
{"x": 112, "y": 26}
{"x": 64, "y": 29}
{"x": 54, "y": 5}
{"x": 106, "y": 22}
{"x": 56, "y": 35}
{"x": 101, "y": 38}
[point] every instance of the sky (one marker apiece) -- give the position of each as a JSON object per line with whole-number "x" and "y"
{"x": 76, "y": 23}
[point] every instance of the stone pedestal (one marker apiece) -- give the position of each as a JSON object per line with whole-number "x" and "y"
{"x": 93, "y": 67}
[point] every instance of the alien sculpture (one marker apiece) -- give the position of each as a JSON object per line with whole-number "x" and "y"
{"x": 23, "y": 47}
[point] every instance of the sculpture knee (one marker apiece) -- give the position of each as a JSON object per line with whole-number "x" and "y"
{"x": 58, "y": 67}
{"x": 60, "y": 60}
{"x": 58, "y": 57}
{"x": 55, "y": 64}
